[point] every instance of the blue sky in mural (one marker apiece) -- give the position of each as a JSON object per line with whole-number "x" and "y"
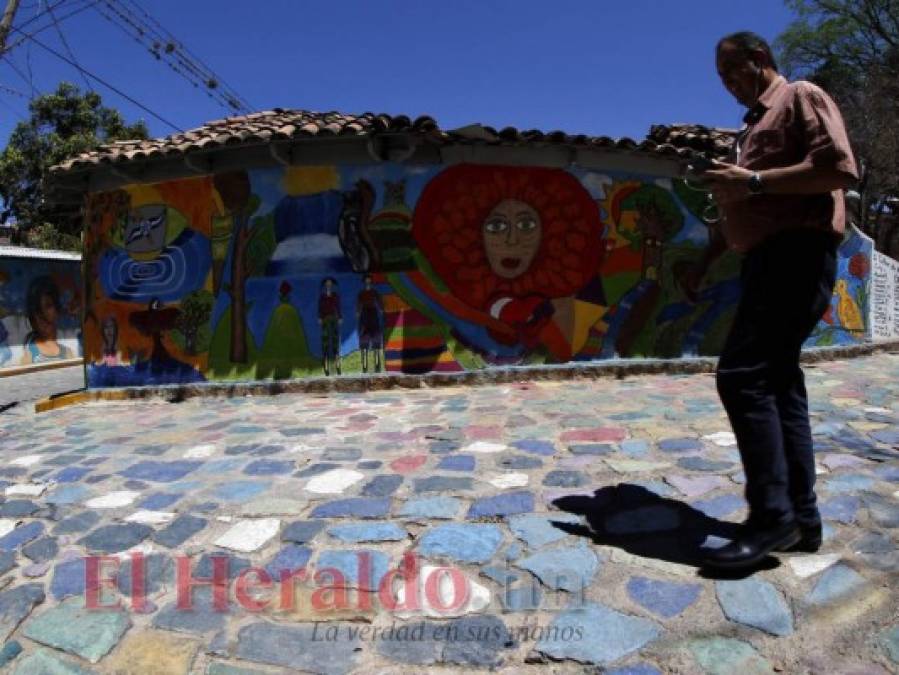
{"x": 584, "y": 67}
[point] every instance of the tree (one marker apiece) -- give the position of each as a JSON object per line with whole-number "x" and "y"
{"x": 62, "y": 124}
{"x": 195, "y": 311}
{"x": 851, "y": 48}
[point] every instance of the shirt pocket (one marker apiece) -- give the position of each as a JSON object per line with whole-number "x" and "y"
{"x": 765, "y": 145}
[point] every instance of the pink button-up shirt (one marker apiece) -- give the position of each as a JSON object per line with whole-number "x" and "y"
{"x": 791, "y": 122}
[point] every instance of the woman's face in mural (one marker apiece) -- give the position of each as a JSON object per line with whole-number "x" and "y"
{"x": 512, "y": 234}
{"x": 48, "y": 309}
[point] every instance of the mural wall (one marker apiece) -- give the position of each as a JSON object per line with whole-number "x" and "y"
{"x": 884, "y": 313}
{"x": 40, "y": 310}
{"x": 291, "y": 272}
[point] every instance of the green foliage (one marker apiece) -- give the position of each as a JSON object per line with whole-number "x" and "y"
{"x": 62, "y": 124}
{"x": 262, "y": 244}
{"x": 44, "y": 235}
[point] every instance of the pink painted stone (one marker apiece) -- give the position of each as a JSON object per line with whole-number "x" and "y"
{"x": 408, "y": 464}
{"x": 693, "y": 487}
{"x": 484, "y": 433}
{"x": 577, "y": 462}
{"x": 598, "y": 435}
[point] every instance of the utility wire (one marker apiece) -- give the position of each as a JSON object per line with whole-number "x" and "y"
{"x": 18, "y": 71}
{"x": 88, "y": 5}
{"x": 100, "y": 80}
{"x": 68, "y": 47}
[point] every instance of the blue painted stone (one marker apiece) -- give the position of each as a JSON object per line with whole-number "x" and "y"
{"x": 151, "y": 450}
{"x": 160, "y": 472}
{"x": 21, "y": 535}
{"x": 353, "y": 507}
{"x": 71, "y": 474}
{"x": 9, "y": 652}
{"x": 884, "y": 513}
{"x": 185, "y": 486}
{"x": 7, "y": 561}
{"x": 643, "y": 519}
{"x": 267, "y": 450}
{"x": 665, "y": 598}
{"x": 887, "y": 436}
{"x": 96, "y": 478}
{"x": 443, "y": 447}
{"x": 201, "y": 618}
{"x": 240, "y": 449}
{"x": 888, "y": 473}
{"x": 268, "y": 467}
{"x": 563, "y": 478}
{"x": 475, "y": 543}
{"x": 636, "y": 669}
{"x": 657, "y": 487}
{"x": 134, "y": 485}
{"x": 442, "y": 484}
{"x": 77, "y": 523}
{"x": 233, "y": 565}
{"x": 536, "y": 447}
{"x": 68, "y": 579}
{"x": 457, "y": 463}
{"x": 382, "y": 485}
{"x": 568, "y": 568}
{"x": 370, "y": 464}
{"x": 506, "y": 504}
{"x": 349, "y": 564}
{"x": 157, "y": 571}
{"x": 606, "y": 635}
{"x": 521, "y": 598}
{"x": 115, "y": 537}
{"x": 287, "y": 560}
{"x": 476, "y": 641}
{"x": 834, "y": 584}
{"x": 629, "y": 416}
{"x": 680, "y": 445}
{"x": 342, "y": 454}
{"x": 848, "y": 483}
{"x": 889, "y": 640}
{"x": 360, "y": 532}
{"x": 431, "y": 507}
{"x": 301, "y": 431}
{"x": 239, "y": 491}
{"x": 719, "y": 507}
{"x": 703, "y": 464}
{"x": 41, "y": 549}
{"x": 218, "y": 467}
{"x": 179, "y": 530}
{"x": 16, "y": 604}
{"x": 843, "y": 509}
{"x": 205, "y": 507}
{"x": 504, "y": 576}
{"x": 246, "y": 429}
{"x": 18, "y": 508}
{"x": 302, "y": 531}
{"x": 540, "y": 530}
{"x": 518, "y": 462}
{"x": 513, "y": 552}
{"x": 756, "y": 603}
{"x": 158, "y": 501}
{"x": 315, "y": 469}
{"x": 591, "y": 449}
{"x": 301, "y": 647}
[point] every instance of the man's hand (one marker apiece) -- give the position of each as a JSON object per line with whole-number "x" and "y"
{"x": 728, "y": 183}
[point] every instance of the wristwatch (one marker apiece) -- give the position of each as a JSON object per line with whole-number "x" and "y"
{"x": 755, "y": 184}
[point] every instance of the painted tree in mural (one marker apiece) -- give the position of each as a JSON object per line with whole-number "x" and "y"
{"x": 234, "y": 190}
{"x": 196, "y": 310}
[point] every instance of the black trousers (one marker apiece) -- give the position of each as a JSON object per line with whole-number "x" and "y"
{"x": 787, "y": 285}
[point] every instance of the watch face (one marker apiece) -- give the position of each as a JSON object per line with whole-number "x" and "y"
{"x": 755, "y": 184}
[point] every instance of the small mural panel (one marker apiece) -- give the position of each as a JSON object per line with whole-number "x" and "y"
{"x": 884, "y": 312}
{"x": 325, "y": 270}
{"x": 40, "y": 310}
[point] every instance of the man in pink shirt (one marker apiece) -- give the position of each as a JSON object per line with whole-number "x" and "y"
{"x": 781, "y": 194}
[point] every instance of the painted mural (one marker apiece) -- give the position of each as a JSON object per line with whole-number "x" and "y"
{"x": 40, "y": 310}
{"x": 291, "y": 272}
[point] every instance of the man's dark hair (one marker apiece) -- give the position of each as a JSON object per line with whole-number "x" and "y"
{"x": 746, "y": 42}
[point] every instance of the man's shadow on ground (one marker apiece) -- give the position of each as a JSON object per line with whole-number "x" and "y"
{"x": 642, "y": 523}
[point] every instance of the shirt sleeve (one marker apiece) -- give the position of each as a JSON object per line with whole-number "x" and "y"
{"x": 825, "y": 134}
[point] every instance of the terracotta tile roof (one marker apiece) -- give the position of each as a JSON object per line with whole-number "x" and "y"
{"x": 276, "y": 125}
{"x": 713, "y": 141}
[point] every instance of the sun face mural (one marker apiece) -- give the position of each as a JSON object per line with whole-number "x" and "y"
{"x": 330, "y": 270}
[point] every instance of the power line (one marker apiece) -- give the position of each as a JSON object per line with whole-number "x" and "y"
{"x": 88, "y": 5}
{"x": 65, "y": 43}
{"x": 97, "y": 78}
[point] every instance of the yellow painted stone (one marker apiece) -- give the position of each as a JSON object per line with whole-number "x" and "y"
{"x": 846, "y": 402}
{"x": 864, "y": 425}
{"x": 360, "y": 606}
{"x": 151, "y": 651}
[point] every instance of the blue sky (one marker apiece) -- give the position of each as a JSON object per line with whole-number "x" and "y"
{"x": 593, "y": 67}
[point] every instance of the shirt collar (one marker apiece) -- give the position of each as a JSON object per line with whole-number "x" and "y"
{"x": 754, "y": 114}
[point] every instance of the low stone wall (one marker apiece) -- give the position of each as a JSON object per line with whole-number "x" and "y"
{"x": 40, "y": 307}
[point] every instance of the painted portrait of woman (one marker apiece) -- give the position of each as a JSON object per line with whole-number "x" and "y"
{"x": 43, "y": 307}
{"x": 523, "y": 245}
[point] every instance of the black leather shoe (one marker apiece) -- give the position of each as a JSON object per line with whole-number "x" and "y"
{"x": 810, "y": 540}
{"x": 752, "y": 545}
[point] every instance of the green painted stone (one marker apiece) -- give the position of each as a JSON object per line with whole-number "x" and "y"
{"x": 726, "y": 656}
{"x": 225, "y": 669}
{"x": 45, "y": 662}
{"x": 889, "y": 640}
{"x": 73, "y": 628}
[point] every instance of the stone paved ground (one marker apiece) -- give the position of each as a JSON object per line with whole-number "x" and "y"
{"x": 18, "y": 390}
{"x": 566, "y": 515}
